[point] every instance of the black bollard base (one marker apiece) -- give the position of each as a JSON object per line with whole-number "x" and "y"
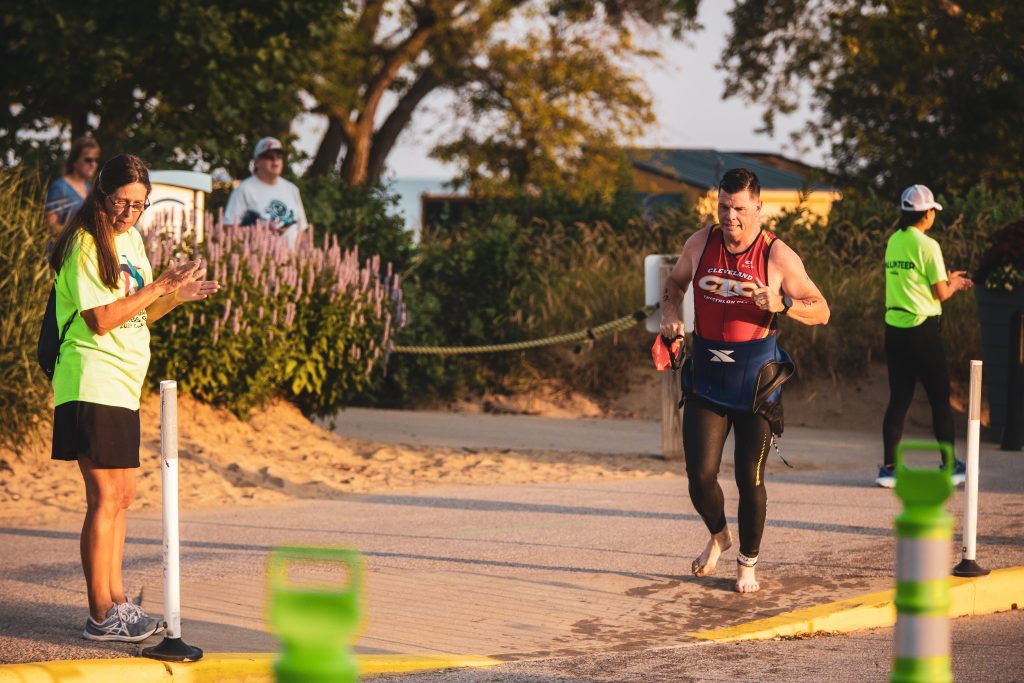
{"x": 173, "y": 650}
{"x": 969, "y": 568}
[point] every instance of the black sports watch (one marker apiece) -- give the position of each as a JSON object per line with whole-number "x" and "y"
{"x": 787, "y": 303}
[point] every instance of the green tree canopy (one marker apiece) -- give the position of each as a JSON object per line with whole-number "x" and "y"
{"x": 549, "y": 114}
{"x": 901, "y": 91}
{"x": 184, "y": 83}
{"x": 495, "y": 56}
{"x": 192, "y": 84}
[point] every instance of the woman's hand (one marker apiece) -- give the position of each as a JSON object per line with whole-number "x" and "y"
{"x": 177, "y": 275}
{"x": 197, "y": 290}
{"x": 956, "y": 283}
{"x": 959, "y": 282}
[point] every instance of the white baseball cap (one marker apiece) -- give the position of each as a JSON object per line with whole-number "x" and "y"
{"x": 269, "y": 144}
{"x": 918, "y": 198}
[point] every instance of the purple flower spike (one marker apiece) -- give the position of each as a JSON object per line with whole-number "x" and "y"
{"x": 227, "y": 311}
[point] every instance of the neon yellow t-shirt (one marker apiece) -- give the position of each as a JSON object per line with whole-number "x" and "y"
{"x": 913, "y": 263}
{"x": 107, "y": 369}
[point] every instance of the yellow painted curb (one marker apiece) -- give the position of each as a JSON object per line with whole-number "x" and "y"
{"x": 214, "y": 668}
{"x": 1001, "y": 590}
{"x": 393, "y": 664}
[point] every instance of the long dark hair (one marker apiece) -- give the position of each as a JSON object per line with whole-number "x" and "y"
{"x": 93, "y": 218}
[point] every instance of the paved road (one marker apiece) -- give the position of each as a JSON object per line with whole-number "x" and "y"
{"x": 566, "y": 571}
{"x": 517, "y": 432}
{"x": 988, "y": 649}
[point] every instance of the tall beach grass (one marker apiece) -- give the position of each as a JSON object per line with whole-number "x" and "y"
{"x": 25, "y": 282}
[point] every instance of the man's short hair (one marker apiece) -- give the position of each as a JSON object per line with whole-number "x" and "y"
{"x": 739, "y": 179}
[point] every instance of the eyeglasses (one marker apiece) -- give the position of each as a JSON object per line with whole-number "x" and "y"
{"x": 122, "y": 205}
{"x": 91, "y": 160}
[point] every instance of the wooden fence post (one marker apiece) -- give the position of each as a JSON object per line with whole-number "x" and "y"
{"x": 671, "y": 426}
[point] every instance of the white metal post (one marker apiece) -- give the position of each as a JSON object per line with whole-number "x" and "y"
{"x": 172, "y": 648}
{"x": 169, "y": 478}
{"x": 968, "y": 566}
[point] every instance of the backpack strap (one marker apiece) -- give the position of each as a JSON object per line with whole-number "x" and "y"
{"x": 67, "y": 325}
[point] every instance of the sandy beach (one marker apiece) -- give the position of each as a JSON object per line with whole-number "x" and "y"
{"x": 278, "y": 455}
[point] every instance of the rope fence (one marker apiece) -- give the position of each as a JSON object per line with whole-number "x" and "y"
{"x": 590, "y": 333}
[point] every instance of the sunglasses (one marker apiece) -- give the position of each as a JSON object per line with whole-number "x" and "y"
{"x": 276, "y": 154}
{"x": 91, "y": 160}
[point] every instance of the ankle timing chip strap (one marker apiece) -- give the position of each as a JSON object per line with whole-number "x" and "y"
{"x": 745, "y": 561}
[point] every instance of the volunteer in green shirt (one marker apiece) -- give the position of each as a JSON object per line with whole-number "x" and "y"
{"x": 105, "y": 287}
{"x": 916, "y": 284}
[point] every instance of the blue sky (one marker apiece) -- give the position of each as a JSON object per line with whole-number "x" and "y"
{"x": 687, "y": 93}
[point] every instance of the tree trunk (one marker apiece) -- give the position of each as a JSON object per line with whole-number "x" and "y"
{"x": 355, "y": 167}
{"x": 326, "y": 159}
{"x": 384, "y": 139}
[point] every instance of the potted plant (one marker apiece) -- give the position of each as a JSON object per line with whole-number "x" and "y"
{"x": 1000, "y": 291}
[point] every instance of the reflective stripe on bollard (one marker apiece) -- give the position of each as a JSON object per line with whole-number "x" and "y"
{"x": 924, "y": 531}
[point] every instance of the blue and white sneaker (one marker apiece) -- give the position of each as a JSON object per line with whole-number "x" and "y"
{"x": 122, "y": 624}
{"x": 959, "y": 472}
{"x": 886, "y": 477}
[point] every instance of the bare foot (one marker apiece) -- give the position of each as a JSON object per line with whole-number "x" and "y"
{"x": 706, "y": 562}
{"x": 746, "y": 581}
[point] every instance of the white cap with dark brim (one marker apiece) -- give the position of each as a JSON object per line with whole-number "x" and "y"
{"x": 267, "y": 144}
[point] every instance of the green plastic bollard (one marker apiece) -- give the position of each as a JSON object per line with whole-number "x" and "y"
{"x": 316, "y": 624}
{"x": 924, "y": 531}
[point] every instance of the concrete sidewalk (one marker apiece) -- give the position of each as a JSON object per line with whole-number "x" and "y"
{"x": 512, "y": 572}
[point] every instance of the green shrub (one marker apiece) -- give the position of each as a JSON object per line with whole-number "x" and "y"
{"x": 462, "y": 290}
{"x": 588, "y": 277}
{"x": 307, "y": 325}
{"x": 25, "y": 282}
{"x": 510, "y": 274}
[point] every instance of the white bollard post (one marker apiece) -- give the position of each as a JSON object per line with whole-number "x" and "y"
{"x": 173, "y": 648}
{"x": 169, "y": 481}
{"x": 968, "y": 566}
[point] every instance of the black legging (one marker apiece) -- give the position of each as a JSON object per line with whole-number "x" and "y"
{"x": 915, "y": 353}
{"x": 705, "y": 427}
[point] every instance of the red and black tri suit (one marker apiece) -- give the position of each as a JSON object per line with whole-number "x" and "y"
{"x": 724, "y": 386}
{"x": 723, "y": 290}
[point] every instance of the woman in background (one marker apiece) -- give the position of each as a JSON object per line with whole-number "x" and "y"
{"x": 105, "y": 288}
{"x": 67, "y": 193}
{"x": 916, "y": 284}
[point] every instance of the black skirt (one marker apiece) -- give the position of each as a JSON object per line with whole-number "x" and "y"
{"x": 106, "y": 435}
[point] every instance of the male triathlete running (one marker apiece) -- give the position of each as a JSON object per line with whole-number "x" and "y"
{"x": 744, "y": 277}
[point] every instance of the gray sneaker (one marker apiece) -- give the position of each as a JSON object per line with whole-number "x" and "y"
{"x": 144, "y": 615}
{"x": 121, "y": 624}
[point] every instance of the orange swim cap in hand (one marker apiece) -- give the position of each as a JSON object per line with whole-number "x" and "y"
{"x": 667, "y": 354}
